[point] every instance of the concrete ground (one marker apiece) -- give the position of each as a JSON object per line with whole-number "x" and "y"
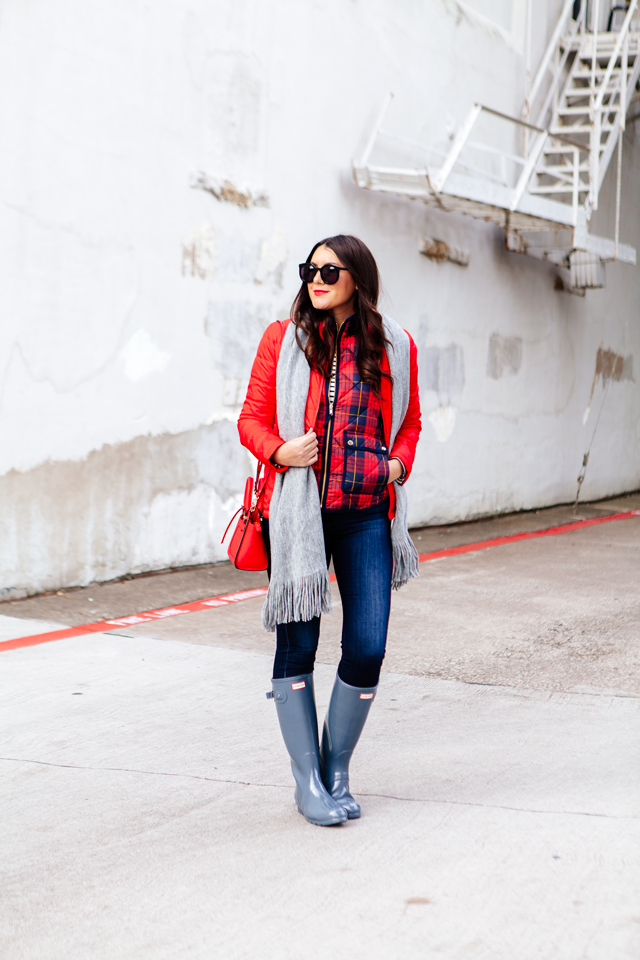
{"x": 148, "y": 806}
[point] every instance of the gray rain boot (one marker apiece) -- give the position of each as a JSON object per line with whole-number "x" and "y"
{"x": 348, "y": 710}
{"x": 296, "y": 706}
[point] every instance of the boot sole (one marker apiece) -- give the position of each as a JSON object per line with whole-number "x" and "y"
{"x": 321, "y": 823}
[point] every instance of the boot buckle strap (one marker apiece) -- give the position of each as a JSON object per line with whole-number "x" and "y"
{"x": 278, "y": 695}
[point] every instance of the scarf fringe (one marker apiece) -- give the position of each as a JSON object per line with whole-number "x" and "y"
{"x": 301, "y": 599}
{"x": 405, "y": 562}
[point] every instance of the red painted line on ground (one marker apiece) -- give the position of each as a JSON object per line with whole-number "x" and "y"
{"x": 531, "y": 535}
{"x": 134, "y": 620}
{"x": 227, "y": 598}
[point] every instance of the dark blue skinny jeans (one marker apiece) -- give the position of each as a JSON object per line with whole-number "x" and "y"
{"x": 359, "y": 542}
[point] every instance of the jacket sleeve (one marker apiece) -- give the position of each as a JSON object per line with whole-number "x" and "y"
{"x": 257, "y": 420}
{"x": 404, "y": 447}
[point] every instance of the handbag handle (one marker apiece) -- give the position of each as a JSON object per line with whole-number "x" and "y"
{"x": 258, "y": 490}
{"x": 252, "y": 494}
{"x": 229, "y": 524}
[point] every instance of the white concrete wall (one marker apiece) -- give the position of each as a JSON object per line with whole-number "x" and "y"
{"x": 133, "y": 300}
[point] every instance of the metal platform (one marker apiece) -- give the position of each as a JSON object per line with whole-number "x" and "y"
{"x": 539, "y": 181}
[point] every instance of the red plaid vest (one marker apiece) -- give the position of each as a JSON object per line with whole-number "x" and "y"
{"x": 352, "y": 469}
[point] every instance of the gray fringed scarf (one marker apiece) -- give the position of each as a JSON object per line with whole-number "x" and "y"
{"x": 299, "y": 587}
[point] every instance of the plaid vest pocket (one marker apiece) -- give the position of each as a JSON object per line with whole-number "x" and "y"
{"x": 366, "y": 465}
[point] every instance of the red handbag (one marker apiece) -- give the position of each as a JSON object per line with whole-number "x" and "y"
{"x": 247, "y": 550}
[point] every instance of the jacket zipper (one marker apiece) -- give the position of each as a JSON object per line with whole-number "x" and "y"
{"x": 330, "y": 401}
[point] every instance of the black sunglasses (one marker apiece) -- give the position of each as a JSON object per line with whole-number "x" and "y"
{"x": 329, "y": 273}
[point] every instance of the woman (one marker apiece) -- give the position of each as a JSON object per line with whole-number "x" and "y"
{"x": 333, "y": 411}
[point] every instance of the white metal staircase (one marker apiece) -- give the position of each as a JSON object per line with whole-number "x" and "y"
{"x": 538, "y": 176}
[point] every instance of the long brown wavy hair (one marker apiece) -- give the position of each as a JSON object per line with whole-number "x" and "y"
{"x": 319, "y": 325}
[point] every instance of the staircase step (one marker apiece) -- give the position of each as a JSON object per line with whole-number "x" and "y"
{"x": 610, "y": 90}
{"x": 583, "y": 93}
{"x": 557, "y": 168}
{"x": 605, "y": 45}
{"x": 587, "y": 74}
{"x": 582, "y": 128}
{"x": 559, "y": 186}
{"x": 602, "y": 59}
{"x": 585, "y": 71}
{"x": 563, "y": 175}
{"x": 552, "y": 153}
{"x": 586, "y": 90}
{"x": 554, "y": 190}
{"x": 550, "y": 150}
{"x": 607, "y": 108}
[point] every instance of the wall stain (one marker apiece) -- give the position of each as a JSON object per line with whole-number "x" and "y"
{"x": 609, "y": 366}
{"x": 504, "y": 357}
{"x": 444, "y": 371}
{"x": 613, "y": 365}
{"x": 198, "y": 253}
{"x": 235, "y": 328}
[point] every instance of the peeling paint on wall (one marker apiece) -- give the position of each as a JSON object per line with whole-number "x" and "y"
{"x": 273, "y": 256}
{"x": 504, "y": 357}
{"x": 227, "y": 192}
{"x": 198, "y": 252}
{"x": 141, "y": 356}
{"x": 443, "y": 420}
{"x": 440, "y": 251}
{"x": 609, "y": 366}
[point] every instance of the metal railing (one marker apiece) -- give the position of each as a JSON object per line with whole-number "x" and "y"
{"x": 557, "y": 159}
{"x": 566, "y": 23}
{"x": 527, "y": 163}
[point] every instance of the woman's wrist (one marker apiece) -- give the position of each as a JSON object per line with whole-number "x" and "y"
{"x": 397, "y": 467}
{"x": 275, "y": 458}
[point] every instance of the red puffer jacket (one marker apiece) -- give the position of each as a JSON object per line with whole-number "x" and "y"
{"x": 258, "y": 425}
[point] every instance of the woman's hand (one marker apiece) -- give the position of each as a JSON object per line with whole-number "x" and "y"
{"x": 395, "y": 469}
{"x": 301, "y": 452}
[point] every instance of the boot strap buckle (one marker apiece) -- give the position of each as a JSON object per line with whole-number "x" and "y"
{"x": 278, "y": 695}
